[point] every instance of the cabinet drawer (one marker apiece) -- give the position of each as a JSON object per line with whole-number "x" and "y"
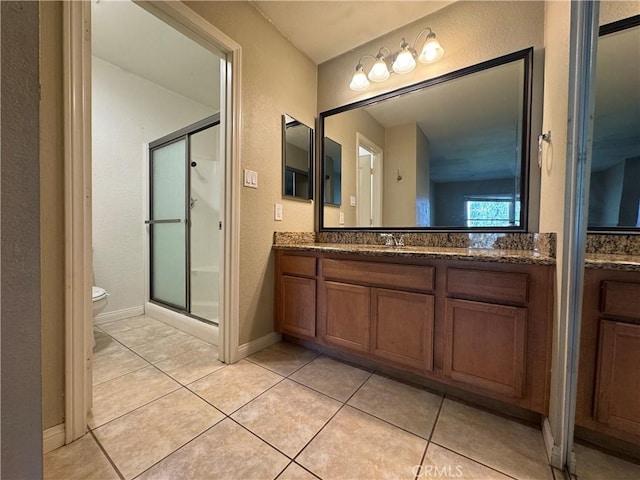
{"x": 501, "y": 286}
{"x": 411, "y": 277}
{"x": 621, "y": 299}
{"x": 298, "y": 265}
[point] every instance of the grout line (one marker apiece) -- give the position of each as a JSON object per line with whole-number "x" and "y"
{"x": 282, "y": 471}
{"x": 306, "y": 469}
{"x": 433, "y": 429}
{"x": 475, "y": 461}
{"x": 261, "y": 439}
{"x": 104, "y": 451}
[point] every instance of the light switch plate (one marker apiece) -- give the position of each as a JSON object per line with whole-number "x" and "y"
{"x": 277, "y": 212}
{"x": 353, "y": 200}
{"x": 341, "y": 218}
{"x": 250, "y": 178}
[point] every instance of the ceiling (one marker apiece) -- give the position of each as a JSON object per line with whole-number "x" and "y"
{"x": 325, "y": 29}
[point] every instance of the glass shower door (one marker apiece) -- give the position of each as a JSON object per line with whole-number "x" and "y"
{"x": 168, "y": 225}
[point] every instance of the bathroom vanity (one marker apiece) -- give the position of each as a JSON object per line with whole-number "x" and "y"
{"x": 609, "y": 373}
{"x": 477, "y": 320}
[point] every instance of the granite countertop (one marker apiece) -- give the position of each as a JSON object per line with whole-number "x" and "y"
{"x": 609, "y": 261}
{"x": 447, "y": 253}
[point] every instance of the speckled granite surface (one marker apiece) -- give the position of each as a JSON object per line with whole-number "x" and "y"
{"x": 447, "y": 253}
{"x": 613, "y": 244}
{"x": 609, "y": 261}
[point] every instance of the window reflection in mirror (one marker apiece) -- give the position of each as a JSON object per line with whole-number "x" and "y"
{"x": 614, "y": 195}
{"x": 450, "y": 153}
{"x": 297, "y": 161}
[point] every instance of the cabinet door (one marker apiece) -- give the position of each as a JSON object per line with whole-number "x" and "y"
{"x": 347, "y": 318}
{"x": 618, "y": 382}
{"x": 402, "y": 327}
{"x": 297, "y": 306}
{"x": 485, "y": 345}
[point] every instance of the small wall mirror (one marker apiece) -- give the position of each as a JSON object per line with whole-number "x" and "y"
{"x": 297, "y": 159}
{"x": 614, "y": 195}
{"x": 332, "y": 169}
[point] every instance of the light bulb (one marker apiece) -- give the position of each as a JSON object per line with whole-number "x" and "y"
{"x": 359, "y": 80}
{"x": 431, "y": 51}
{"x": 379, "y": 72}
{"x": 404, "y": 61}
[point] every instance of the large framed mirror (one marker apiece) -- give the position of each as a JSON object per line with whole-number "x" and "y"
{"x": 614, "y": 193}
{"x": 449, "y": 153}
{"x": 297, "y": 159}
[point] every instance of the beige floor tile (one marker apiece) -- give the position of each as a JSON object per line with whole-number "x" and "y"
{"x": 145, "y": 436}
{"x": 407, "y": 407}
{"x": 104, "y": 345}
{"x": 226, "y": 451}
{"x": 193, "y": 364}
{"x": 115, "y": 362}
{"x": 287, "y": 416}
{"x": 167, "y": 347}
{"x": 296, "y": 472}
{"x": 592, "y": 464}
{"x": 333, "y": 378}
{"x": 235, "y": 385}
{"x": 442, "y": 463}
{"x": 128, "y": 324}
{"x": 283, "y": 358}
{"x": 355, "y": 445}
{"x": 80, "y": 460}
{"x": 121, "y": 395}
{"x": 147, "y": 334}
{"x": 507, "y": 446}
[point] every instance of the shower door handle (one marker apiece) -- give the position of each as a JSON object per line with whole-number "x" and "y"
{"x": 172, "y": 220}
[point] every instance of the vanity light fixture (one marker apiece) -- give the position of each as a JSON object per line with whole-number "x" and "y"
{"x": 404, "y": 62}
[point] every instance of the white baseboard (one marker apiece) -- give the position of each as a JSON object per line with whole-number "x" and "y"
{"x": 107, "y": 317}
{"x": 204, "y": 331}
{"x": 53, "y": 438}
{"x": 253, "y": 346}
{"x": 553, "y": 453}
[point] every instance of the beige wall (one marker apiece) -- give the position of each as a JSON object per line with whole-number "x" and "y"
{"x": 52, "y": 213}
{"x": 342, "y": 129}
{"x": 276, "y": 79}
{"x": 399, "y": 197}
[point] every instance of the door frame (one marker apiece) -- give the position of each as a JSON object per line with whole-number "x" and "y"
{"x": 377, "y": 178}
{"x": 77, "y": 192}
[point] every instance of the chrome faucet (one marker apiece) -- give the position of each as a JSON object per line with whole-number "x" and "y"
{"x": 390, "y": 240}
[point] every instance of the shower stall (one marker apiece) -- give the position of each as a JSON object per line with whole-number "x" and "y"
{"x": 185, "y": 197}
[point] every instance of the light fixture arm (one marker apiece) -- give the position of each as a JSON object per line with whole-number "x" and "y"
{"x": 430, "y": 34}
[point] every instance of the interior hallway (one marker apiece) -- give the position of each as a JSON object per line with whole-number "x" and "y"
{"x": 165, "y": 407}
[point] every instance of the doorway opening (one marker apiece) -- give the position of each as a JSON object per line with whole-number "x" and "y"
{"x": 369, "y": 184}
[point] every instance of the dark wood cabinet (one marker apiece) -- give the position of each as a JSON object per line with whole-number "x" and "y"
{"x": 346, "y": 315}
{"x": 485, "y": 345}
{"x": 608, "y": 400}
{"x": 298, "y": 306}
{"x": 618, "y": 379}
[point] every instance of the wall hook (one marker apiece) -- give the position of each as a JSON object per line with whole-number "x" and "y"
{"x": 399, "y": 177}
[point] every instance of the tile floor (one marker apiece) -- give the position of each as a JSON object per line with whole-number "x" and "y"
{"x": 165, "y": 407}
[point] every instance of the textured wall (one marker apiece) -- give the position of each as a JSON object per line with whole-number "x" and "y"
{"x": 276, "y": 79}
{"x": 128, "y": 112}
{"x": 52, "y": 213}
{"x": 21, "y": 387}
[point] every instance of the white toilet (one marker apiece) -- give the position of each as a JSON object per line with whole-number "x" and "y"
{"x": 99, "y": 299}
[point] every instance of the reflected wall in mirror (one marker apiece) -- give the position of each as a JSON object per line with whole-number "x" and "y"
{"x": 614, "y": 195}
{"x": 332, "y": 171}
{"x": 450, "y": 153}
{"x": 297, "y": 159}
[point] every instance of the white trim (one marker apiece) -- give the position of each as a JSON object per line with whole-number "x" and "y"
{"x": 553, "y": 452}
{"x": 77, "y": 199}
{"x": 53, "y": 438}
{"x": 253, "y": 346}
{"x": 377, "y": 178}
{"x": 203, "y": 331}
{"x": 118, "y": 315}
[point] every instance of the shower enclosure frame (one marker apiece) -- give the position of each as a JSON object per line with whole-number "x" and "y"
{"x": 183, "y": 134}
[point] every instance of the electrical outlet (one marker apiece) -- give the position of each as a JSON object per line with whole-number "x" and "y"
{"x": 353, "y": 200}
{"x": 250, "y": 178}
{"x": 277, "y": 212}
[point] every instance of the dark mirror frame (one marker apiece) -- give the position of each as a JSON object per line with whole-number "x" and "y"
{"x": 526, "y": 56}
{"x": 604, "y": 30}
{"x": 310, "y": 173}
